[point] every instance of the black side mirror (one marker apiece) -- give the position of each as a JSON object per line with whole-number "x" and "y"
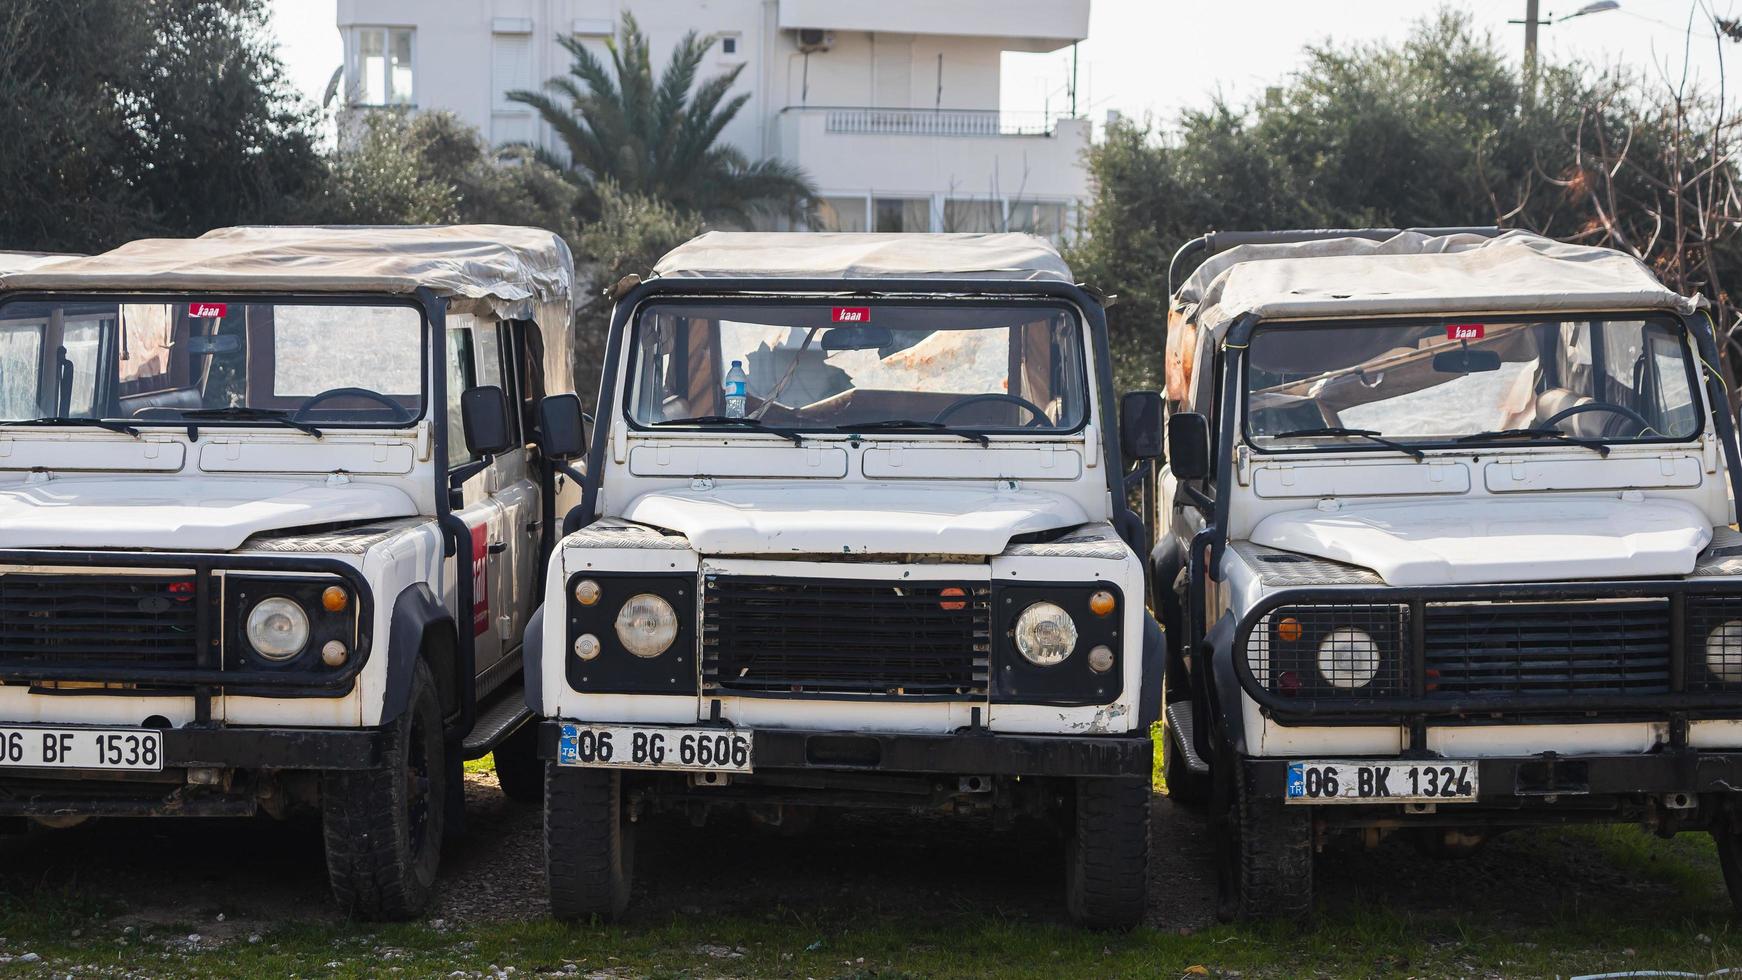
{"x": 1140, "y": 425}
{"x": 484, "y": 416}
{"x": 1188, "y": 445}
{"x": 562, "y": 427}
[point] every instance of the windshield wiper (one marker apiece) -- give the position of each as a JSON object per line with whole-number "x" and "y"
{"x": 1597, "y": 446}
{"x": 77, "y": 420}
{"x": 245, "y": 413}
{"x": 748, "y": 423}
{"x": 924, "y": 425}
{"x": 1367, "y": 434}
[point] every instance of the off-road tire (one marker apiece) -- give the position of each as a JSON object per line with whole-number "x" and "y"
{"x": 518, "y": 768}
{"x": 1184, "y": 787}
{"x": 589, "y": 845}
{"x": 383, "y": 827}
{"x": 1729, "y": 841}
{"x": 1107, "y": 853}
{"x": 1272, "y": 856}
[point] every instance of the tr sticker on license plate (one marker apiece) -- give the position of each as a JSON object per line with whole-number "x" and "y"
{"x": 1333, "y": 781}
{"x": 81, "y": 748}
{"x": 646, "y": 747}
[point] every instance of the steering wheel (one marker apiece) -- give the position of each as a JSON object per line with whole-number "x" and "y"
{"x": 1621, "y": 410}
{"x": 399, "y": 411}
{"x": 1039, "y": 413}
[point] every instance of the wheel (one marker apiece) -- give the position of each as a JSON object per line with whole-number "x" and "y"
{"x": 383, "y": 827}
{"x": 1184, "y": 787}
{"x": 518, "y": 768}
{"x": 1107, "y": 856}
{"x": 1264, "y": 850}
{"x": 589, "y": 848}
{"x": 1729, "y": 840}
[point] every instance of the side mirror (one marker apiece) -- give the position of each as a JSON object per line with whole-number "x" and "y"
{"x": 562, "y": 427}
{"x": 1140, "y": 425}
{"x": 484, "y": 416}
{"x": 1188, "y": 445}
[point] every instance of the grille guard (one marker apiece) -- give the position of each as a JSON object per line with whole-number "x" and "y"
{"x": 207, "y": 677}
{"x": 1416, "y": 705}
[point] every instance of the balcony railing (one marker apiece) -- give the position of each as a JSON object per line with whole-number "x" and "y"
{"x": 862, "y": 120}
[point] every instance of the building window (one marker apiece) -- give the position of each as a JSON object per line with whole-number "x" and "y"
{"x": 981, "y": 216}
{"x": 729, "y": 45}
{"x": 901, "y": 213}
{"x": 511, "y": 70}
{"x": 841, "y": 214}
{"x": 381, "y": 66}
{"x": 1048, "y": 219}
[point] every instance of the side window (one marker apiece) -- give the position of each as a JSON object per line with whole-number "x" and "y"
{"x": 529, "y": 354}
{"x": 460, "y": 377}
{"x": 1676, "y": 405}
{"x": 20, "y": 344}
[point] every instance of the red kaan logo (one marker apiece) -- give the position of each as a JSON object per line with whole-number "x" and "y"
{"x": 208, "y": 310}
{"x": 1465, "y": 331}
{"x": 852, "y": 314}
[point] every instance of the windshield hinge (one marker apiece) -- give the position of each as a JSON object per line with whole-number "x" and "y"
{"x": 1242, "y": 466}
{"x": 702, "y": 484}
{"x": 1009, "y": 486}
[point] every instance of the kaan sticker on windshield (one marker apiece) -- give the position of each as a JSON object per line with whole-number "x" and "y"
{"x": 208, "y": 311}
{"x": 852, "y": 314}
{"x": 1465, "y": 331}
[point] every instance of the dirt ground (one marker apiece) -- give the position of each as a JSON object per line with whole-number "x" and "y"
{"x": 229, "y": 879}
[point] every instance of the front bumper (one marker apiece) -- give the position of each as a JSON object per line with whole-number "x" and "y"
{"x": 1560, "y": 777}
{"x": 977, "y": 753}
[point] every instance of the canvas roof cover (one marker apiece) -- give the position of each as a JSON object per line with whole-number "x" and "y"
{"x": 504, "y": 269}
{"x": 1415, "y": 273}
{"x": 864, "y": 255}
{"x": 19, "y": 261}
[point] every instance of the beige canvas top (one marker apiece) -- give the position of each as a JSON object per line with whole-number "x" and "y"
{"x": 19, "y": 261}
{"x": 864, "y": 255}
{"x": 1414, "y": 273}
{"x": 502, "y": 269}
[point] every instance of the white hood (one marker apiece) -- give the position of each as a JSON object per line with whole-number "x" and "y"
{"x": 1474, "y": 541}
{"x": 180, "y": 514}
{"x": 861, "y": 519}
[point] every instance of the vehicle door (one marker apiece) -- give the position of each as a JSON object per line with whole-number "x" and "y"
{"x": 513, "y": 485}
{"x": 474, "y": 358}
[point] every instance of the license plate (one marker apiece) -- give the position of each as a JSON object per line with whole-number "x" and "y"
{"x": 1382, "y": 782}
{"x": 81, "y": 748}
{"x": 644, "y": 747}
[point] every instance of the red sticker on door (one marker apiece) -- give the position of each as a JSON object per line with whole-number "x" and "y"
{"x": 1465, "y": 331}
{"x": 852, "y": 314}
{"x": 206, "y": 311}
{"x": 480, "y": 579}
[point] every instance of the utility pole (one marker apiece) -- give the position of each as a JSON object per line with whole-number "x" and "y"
{"x": 1531, "y": 19}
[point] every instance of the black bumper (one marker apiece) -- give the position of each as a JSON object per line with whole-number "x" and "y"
{"x": 223, "y": 747}
{"x": 966, "y": 753}
{"x": 1549, "y": 775}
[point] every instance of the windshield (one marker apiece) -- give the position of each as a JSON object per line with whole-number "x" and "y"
{"x": 1617, "y": 380}
{"x": 181, "y": 359}
{"x": 970, "y": 366}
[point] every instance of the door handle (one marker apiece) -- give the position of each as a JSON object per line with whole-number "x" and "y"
{"x": 533, "y": 526}
{"x": 497, "y": 547}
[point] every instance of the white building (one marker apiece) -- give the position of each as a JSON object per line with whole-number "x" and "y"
{"x": 892, "y": 107}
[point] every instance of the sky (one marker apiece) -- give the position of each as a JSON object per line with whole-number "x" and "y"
{"x": 1155, "y": 57}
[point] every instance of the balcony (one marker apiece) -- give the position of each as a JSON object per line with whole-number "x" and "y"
{"x": 1028, "y": 25}
{"x": 936, "y": 122}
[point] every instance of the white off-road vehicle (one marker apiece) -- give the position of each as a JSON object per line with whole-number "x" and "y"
{"x": 854, "y": 534}
{"x": 247, "y": 561}
{"x": 1450, "y": 549}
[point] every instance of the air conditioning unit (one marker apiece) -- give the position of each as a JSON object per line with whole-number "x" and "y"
{"x": 815, "y": 39}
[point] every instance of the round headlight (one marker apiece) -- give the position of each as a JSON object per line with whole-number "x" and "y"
{"x": 277, "y": 628}
{"x": 1348, "y": 658}
{"x": 1045, "y": 634}
{"x": 1724, "y": 652}
{"x": 646, "y": 625}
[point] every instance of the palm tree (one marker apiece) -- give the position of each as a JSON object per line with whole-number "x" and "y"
{"x": 660, "y": 140}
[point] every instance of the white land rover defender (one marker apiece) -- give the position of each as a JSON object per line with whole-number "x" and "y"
{"x": 247, "y": 561}
{"x": 854, "y": 534}
{"x": 1450, "y": 549}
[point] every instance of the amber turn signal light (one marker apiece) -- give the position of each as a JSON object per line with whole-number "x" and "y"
{"x": 1289, "y": 629}
{"x": 1101, "y": 603}
{"x": 334, "y": 599}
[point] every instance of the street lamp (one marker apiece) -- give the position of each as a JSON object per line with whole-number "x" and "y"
{"x": 1533, "y": 19}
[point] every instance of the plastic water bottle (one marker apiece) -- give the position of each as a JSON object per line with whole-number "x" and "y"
{"x": 736, "y": 385}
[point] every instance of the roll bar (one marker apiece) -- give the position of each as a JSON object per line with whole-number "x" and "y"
{"x": 1221, "y": 241}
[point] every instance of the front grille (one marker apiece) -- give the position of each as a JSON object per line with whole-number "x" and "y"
{"x": 1616, "y": 646}
{"x": 811, "y": 636}
{"x": 97, "y": 621}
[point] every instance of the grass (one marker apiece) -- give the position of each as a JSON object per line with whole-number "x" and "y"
{"x": 1667, "y": 911}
